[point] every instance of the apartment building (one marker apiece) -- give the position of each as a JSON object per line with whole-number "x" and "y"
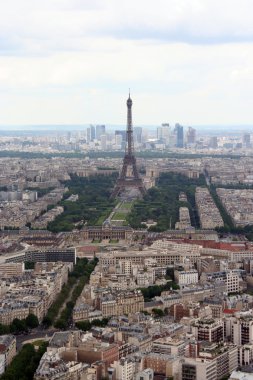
{"x": 121, "y": 303}
{"x": 32, "y": 293}
{"x": 238, "y": 204}
{"x": 7, "y": 351}
{"x": 184, "y": 219}
{"x": 239, "y": 328}
{"x": 125, "y": 369}
{"x": 208, "y": 329}
{"x": 186, "y": 277}
{"x": 213, "y": 362}
{"x": 169, "y": 346}
{"x": 162, "y": 364}
{"x": 209, "y": 214}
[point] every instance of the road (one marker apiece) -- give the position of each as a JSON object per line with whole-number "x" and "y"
{"x": 35, "y": 334}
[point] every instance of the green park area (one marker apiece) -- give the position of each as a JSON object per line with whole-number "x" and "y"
{"x": 161, "y": 203}
{"x": 119, "y": 215}
{"x": 59, "y": 313}
{"x": 127, "y": 205}
{"x": 93, "y": 205}
{"x": 112, "y": 154}
{"x": 25, "y": 363}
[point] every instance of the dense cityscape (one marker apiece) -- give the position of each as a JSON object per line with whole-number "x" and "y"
{"x": 135, "y": 265}
{"x": 126, "y": 190}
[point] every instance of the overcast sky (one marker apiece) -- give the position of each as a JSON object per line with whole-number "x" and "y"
{"x": 72, "y": 61}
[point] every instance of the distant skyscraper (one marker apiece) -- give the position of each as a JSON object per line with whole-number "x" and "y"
{"x": 191, "y": 135}
{"x": 90, "y": 133}
{"x": 179, "y": 130}
{"x": 138, "y": 134}
{"x": 166, "y": 132}
{"x": 88, "y": 130}
{"x": 163, "y": 133}
{"x": 159, "y": 133}
{"x": 103, "y": 139}
{"x": 246, "y": 140}
{"x": 121, "y": 133}
{"x": 118, "y": 141}
{"x": 100, "y": 130}
{"x": 213, "y": 142}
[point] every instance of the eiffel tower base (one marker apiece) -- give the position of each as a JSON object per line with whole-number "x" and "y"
{"x": 123, "y": 184}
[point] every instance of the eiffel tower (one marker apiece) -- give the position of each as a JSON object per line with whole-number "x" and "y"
{"x": 124, "y": 181}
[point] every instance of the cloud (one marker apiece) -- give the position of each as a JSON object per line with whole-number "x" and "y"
{"x": 185, "y": 60}
{"x": 59, "y": 24}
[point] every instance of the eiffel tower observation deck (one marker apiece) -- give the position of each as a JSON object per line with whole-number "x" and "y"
{"x": 129, "y": 176}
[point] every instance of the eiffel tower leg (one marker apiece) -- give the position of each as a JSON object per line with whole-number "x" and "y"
{"x": 135, "y": 171}
{"x": 123, "y": 170}
{"x": 117, "y": 189}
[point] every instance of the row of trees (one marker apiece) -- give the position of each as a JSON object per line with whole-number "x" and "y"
{"x": 77, "y": 279}
{"x": 87, "y": 325}
{"x": 119, "y": 154}
{"x": 25, "y": 363}
{"x": 155, "y": 291}
{"x": 93, "y": 202}
{"x": 161, "y": 203}
{"x": 82, "y": 272}
{"x": 20, "y": 325}
{"x": 228, "y": 223}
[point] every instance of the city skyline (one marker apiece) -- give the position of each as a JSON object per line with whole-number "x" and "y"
{"x": 185, "y": 61}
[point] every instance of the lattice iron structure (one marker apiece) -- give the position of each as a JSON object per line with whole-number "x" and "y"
{"x": 124, "y": 181}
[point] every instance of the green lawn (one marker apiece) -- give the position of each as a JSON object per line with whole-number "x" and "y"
{"x": 127, "y": 205}
{"x": 101, "y": 220}
{"x": 38, "y": 342}
{"x": 119, "y": 216}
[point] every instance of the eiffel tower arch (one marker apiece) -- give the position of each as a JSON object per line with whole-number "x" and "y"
{"x": 129, "y": 162}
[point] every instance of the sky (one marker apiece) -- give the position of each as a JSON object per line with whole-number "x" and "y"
{"x": 73, "y": 61}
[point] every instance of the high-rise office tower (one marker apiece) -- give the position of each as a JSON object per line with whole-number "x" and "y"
{"x": 118, "y": 141}
{"x": 246, "y": 140}
{"x": 159, "y": 133}
{"x": 191, "y": 135}
{"x": 121, "y": 133}
{"x": 138, "y": 134}
{"x": 90, "y": 133}
{"x": 103, "y": 139}
{"x": 213, "y": 143}
{"x": 164, "y": 133}
{"x": 100, "y": 130}
{"x": 179, "y": 130}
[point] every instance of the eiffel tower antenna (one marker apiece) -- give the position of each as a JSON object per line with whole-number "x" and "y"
{"x": 129, "y": 160}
